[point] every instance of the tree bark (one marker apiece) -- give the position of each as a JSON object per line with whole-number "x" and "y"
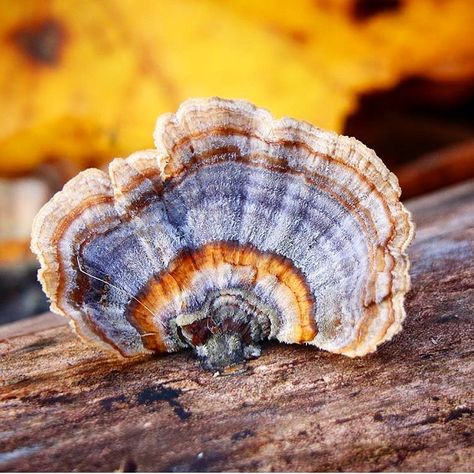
{"x": 408, "y": 407}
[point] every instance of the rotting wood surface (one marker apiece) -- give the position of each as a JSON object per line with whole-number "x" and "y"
{"x": 65, "y": 406}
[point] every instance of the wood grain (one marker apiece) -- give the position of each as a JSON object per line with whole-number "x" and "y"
{"x": 65, "y": 406}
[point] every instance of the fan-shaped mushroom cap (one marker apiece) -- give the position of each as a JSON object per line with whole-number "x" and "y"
{"x": 237, "y": 228}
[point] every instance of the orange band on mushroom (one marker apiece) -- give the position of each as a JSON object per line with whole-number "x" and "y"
{"x": 168, "y": 286}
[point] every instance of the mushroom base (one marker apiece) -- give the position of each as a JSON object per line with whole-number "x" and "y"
{"x": 225, "y": 334}
{"x": 224, "y": 350}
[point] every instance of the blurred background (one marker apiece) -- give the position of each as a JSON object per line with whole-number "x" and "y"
{"x": 82, "y": 82}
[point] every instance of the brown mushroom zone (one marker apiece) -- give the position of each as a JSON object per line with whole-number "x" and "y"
{"x": 236, "y": 228}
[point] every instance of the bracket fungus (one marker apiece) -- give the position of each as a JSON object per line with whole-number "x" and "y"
{"x": 237, "y": 228}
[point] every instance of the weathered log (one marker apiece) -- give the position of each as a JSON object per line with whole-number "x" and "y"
{"x": 437, "y": 170}
{"x": 409, "y": 406}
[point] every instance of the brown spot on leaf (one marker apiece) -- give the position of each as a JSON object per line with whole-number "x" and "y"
{"x": 41, "y": 42}
{"x": 365, "y": 9}
{"x": 299, "y": 37}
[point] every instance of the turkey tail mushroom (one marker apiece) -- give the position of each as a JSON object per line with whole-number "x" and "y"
{"x": 237, "y": 228}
